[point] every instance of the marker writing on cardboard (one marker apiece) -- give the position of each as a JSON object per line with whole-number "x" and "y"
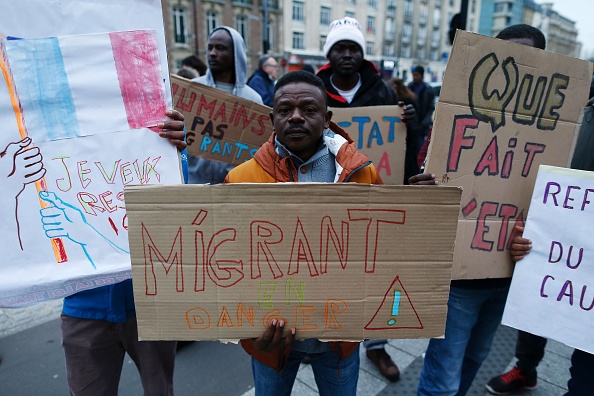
{"x": 395, "y": 307}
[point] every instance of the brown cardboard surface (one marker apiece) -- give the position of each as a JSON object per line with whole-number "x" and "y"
{"x": 219, "y": 262}
{"x": 486, "y": 140}
{"x": 220, "y": 126}
{"x": 379, "y": 134}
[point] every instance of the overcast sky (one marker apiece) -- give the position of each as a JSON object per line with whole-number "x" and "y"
{"x": 582, "y": 12}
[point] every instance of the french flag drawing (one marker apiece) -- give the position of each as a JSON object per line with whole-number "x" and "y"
{"x": 75, "y": 86}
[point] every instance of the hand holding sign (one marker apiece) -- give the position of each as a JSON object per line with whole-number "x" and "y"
{"x": 272, "y": 337}
{"x": 520, "y": 246}
{"x": 61, "y": 219}
{"x": 20, "y": 166}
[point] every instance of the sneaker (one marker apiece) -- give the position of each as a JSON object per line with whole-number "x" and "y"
{"x": 512, "y": 381}
{"x": 384, "y": 364}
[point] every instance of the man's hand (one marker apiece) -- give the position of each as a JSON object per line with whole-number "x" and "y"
{"x": 423, "y": 179}
{"x": 408, "y": 113}
{"x": 520, "y": 246}
{"x": 173, "y": 129}
{"x": 272, "y": 337}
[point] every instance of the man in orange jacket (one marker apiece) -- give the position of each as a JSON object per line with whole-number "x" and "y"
{"x": 306, "y": 146}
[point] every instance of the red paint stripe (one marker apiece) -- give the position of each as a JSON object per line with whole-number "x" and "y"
{"x": 470, "y": 206}
{"x": 59, "y": 246}
{"x": 113, "y": 225}
{"x": 139, "y": 73}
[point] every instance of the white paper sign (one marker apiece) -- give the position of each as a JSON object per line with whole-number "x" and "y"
{"x": 552, "y": 290}
{"x": 81, "y": 84}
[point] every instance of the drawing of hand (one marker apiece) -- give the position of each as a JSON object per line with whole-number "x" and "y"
{"x": 20, "y": 166}
{"x": 61, "y": 219}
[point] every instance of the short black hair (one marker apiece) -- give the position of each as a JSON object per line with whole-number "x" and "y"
{"x": 523, "y": 31}
{"x": 304, "y": 77}
{"x": 420, "y": 70}
{"x": 195, "y": 63}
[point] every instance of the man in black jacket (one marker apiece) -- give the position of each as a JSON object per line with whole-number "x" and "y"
{"x": 353, "y": 81}
{"x": 425, "y": 102}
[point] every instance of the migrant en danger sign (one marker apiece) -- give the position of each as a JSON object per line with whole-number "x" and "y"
{"x": 335, "y": 261}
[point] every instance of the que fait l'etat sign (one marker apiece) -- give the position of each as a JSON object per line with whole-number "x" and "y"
{"x": 504, "y": 109}
{"x": 336, "y": 261}
{"x": 226, "y": 128}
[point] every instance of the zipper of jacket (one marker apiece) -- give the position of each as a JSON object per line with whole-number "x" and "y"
{"x": 356, "y": 170}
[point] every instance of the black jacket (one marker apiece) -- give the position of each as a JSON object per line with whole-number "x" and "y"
{"x": 373, "y": 92}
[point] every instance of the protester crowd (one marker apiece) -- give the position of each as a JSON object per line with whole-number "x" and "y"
{"x": 99, "y": 325}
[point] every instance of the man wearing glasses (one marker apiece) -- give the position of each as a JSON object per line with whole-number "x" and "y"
{"x": 262, "y": 81}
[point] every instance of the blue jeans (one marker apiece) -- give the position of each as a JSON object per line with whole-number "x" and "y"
{"x": 333, "y": 378}
{"x": 452, "y": 363}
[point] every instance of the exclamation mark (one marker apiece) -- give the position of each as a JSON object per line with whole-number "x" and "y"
{"x": 395, "y": 307}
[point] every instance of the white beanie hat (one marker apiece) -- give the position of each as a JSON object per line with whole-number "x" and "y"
{"x": 344, "y": 29}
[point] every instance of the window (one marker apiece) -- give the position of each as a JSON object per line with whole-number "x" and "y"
{"x": 406, "y": 32}
{"x": 298, "y": 12}
{"x": 370, "y": 24}
{"x": 325, "y": 16}
{"x": 322, "y": 42}
{"x": 369, "y": 49}
{"x": 422, "y": 35}
{"x": 437, "y": 3}
{"x": 435, "y": 37}
{"x": 298, "y": 40}
{"x": 423, "y": 13}
{"x": 434, "y": 55}
{"x": 421, "y": 53}
{"x": 180, "y": 32}
{"x": 389, "y": 49}
{"x": 211, "y": 21}
{"x": 436, "y": 17}
{"x": 405, "y": 51}
{"x": 350, "y": 14}
{"x": 351, "y": 1}
{"x": 372, "y": 3}
{"x": 408, "y": 8}
{"x": 268, "y": 34}
{"x": 391, "y": 4}
{"x": 389, "y": 29}
{"x": 241, "y": 25}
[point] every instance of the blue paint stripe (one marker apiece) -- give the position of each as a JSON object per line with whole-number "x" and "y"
{"x": 396, "y": 304}
{"x": 42, "y": 86}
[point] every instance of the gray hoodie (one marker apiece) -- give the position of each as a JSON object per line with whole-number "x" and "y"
{"x": 201, "y": 170}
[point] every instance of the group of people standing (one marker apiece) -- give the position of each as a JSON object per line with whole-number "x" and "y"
{"x": 99, "y": 325}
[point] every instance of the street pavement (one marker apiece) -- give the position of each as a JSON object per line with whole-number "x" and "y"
{"x": 33, "y": 363}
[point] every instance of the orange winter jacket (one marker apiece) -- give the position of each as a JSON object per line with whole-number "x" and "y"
{"x": 268, "y": 167}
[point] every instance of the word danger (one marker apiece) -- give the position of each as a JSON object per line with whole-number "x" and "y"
{"x": 267, "y": 247}
{"x": 292, "y": 309}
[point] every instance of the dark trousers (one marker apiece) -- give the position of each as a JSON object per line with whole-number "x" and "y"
{"x": 530, "y": 350}
{"x": 95, "y": 351}
{"x": 581, "y": 382}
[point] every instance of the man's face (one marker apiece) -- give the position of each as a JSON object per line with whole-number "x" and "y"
{"x": 417, "y": 77}
{"x": 345, "y": 58}
{"x": 271, "y": 68}
{"x": 299, "y": 117}
{"x": 220, "y": 52}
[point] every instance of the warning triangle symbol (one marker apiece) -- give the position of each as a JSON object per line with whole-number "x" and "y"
{"x": 396, "y": 310}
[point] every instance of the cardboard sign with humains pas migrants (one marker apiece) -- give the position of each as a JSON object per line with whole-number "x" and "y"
{"x": 335, "y": 261}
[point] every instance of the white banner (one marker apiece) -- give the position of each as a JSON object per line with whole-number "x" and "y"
{"x": 552, "y": 291}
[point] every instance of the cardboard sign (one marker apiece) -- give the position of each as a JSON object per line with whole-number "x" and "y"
{"x": 504, "y": 109}
{"x": 336, "y": 261}
{"x": 80, "y": 91}
{"x": 226, "y": 128}
{"x": 220, "y": 126}
{"x": 552, "y": 290}
{"x": 378, "y": 133}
